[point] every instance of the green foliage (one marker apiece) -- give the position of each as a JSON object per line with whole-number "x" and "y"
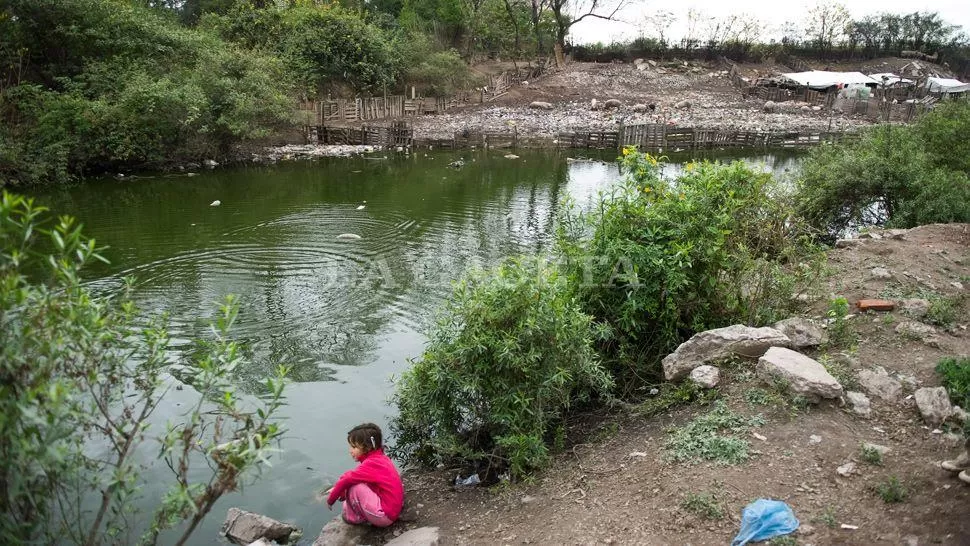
{"x": 434, "y": 73}
{"x": 785, "y": 540}
{"x": 676, "y": 394}
{"x": 76, "y": 371}
{"x": 840, "y": 333}
{"x": 841, "y": 372}
{"x": 509, "y": 356}
{"x": 327, "y": 47}
{"x": 712, "y": 437}
{"x": 704, "y": 505}
{"x": 659, "y": 260}
{"x": 955, "y": 376}
{"x": 943, "y": 132}
{"x": 891, "y": 491}
{"x": 115, "y": 85}
{"x": 828, "y": 518}
{"x": 943, "y": 311}
{"x": 900, "y": 176}
{"x": 870, "y": 455}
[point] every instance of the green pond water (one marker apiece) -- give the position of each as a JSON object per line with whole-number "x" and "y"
{"x": 345, "y": 315}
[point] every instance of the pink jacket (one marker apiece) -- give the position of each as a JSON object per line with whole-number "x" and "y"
{"x": 377, "y": 471}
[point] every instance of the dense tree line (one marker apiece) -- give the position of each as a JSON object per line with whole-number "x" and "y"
{"x": 95, "y": 85}
{"x": 826, "y": 32}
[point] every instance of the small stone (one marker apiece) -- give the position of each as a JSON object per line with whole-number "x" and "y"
{"x": 706, "y": 376}
{"x": 760, "y": 437}
{"x": 814, "y": 439}
{"x": 957, "y": 284}
{"x": 527, "y": 499}
{"x": 875, "y": 305}
{"x": 910, "y": 541}
{"x": 640, "y": 107}
{"x": 244, "y": 527}
{"x": 846, "y": 470}
{"x": 612, "y": 103}
{"x": 859, "y": 404}
{"x": 654, "y": 392}
{"x": 915, "y": 307}
{"x": 920, "y": 331}
{"x": 847, "y": 243}
{"x": 934, "y": 405}
{"x": 210, "y": 164}
{"x": 878, "y": 383}
{"x": 880, "y": 273}
{"x": 802, "y": 332}
{"x": 959, "y": 414}
{"x": 422, "y": 536}
{"x": 806, "y": 530}
{"x": 682, "y": 104}
{"x": 540, "y": 105}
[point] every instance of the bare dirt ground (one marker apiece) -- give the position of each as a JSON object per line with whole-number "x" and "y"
{"x": 620, "y": 487}
{"x": 714, "y": 103}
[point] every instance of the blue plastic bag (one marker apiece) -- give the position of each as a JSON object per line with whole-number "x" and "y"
{"x": 764, "y": 519}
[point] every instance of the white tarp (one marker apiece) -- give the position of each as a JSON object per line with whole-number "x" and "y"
{"x": 821, "y": 79}
{"x": 889, "y": 79}
{"x": 946, "y": 85}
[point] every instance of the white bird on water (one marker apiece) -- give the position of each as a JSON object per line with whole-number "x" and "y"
{"x": 362, "y": 207}
{"x": 215, "y": 203}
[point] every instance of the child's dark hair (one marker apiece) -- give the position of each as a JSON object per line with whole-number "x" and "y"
{"x": 366, "y": 436}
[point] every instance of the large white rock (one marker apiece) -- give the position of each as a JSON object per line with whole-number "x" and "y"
{"x": 934, "y": 405}
{"x": 720, "y": 343}
{"x": 804, "y": 375}
{"x": 706, "y": 376}
{"x": 802, "y": 332}
{"x": 878, "y": 383}
{"x": 422, "y": 536}
{"x": 244, "y": 527}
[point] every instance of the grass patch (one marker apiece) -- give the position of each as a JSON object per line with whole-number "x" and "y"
{"x": 756, "y": 396}
{"x": 871, "y": 455}
{"x": 955, "y": 376}
{"x": 841, "y": 372}
{"x": 672, "y": 395}
{"x": 891, "y": 491}
{"x": 703, "y": 505}
{"x": 712, "y": 437}
{"x": 827, "y": 518}
{"x": 840, "y": 331}
{"x": 943, "y": 311}
{"x": 785, "y": 540}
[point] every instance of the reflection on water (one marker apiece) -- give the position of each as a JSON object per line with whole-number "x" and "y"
{"x": 344, "y": 314}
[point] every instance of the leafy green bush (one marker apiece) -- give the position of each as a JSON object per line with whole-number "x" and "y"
{"x": 509, "y": 356}
{"x": 76, "y": 372}
{"x": 659, "y": 260}
{"x": 114, "y": 86}
{"x": 901, "y": 176}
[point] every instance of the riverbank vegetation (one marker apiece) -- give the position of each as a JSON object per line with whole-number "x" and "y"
{"x": 91, "y": 86}
{"x": 80, "y": 378}
{"x": 653, "y": 261}
{"x": 893, "y": 175}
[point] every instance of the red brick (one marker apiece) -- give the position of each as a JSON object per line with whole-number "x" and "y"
{"x": 875, "y": 305}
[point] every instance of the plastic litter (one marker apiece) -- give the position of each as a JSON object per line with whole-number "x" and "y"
{"x": 470, "y": 480}
{"x": 764, "y": 519}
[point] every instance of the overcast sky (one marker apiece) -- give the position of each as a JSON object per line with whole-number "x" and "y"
{"x": 774, "y": 13}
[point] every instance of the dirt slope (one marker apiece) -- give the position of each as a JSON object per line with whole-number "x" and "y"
{"x": 618, "y": 487}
